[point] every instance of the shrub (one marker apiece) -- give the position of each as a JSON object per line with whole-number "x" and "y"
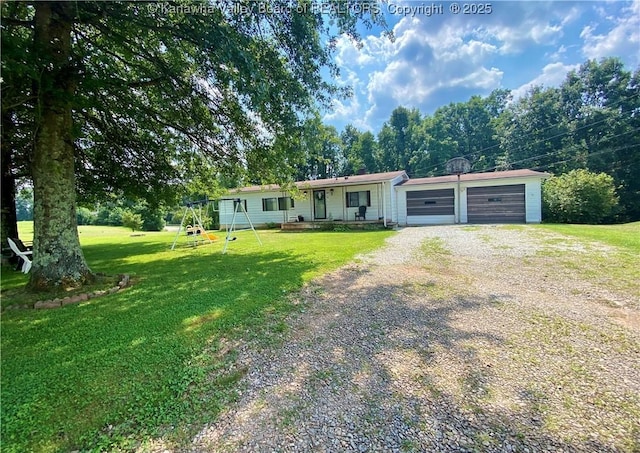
{"x": 579, "y": 197}
{"x": 85, "y": 216}
{"x": 131, "y": 220}
{"x": 153, "y": 221}
{"x": 109, "y": 215}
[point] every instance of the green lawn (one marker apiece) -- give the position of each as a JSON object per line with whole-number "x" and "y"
{"x": 617, "y": 268}
{"x": 626, "y": 236}
{"x": 150, "y": 360}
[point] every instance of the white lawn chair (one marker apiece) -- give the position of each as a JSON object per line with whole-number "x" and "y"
{"x": 24, "y": 255}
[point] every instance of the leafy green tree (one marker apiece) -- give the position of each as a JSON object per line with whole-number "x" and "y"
{"x": 533, "y": 133}
{"x": 367, "y": 148}
{"x": 116, "y": 93}
{"x": 86, "y": 216}
{"x": 152, "y": 216}
{"x": 399, "y": 141}
{"x": 16, "y": 140}
{"x": 322, "y": 150}
{"x": 464, "y": 129}
{"x": 353, "y": 161}
{"x": 579, "y": 196}
{"x": 131, "y": 220}
{"x": 24, "y": 204}
{"x": 360, "y": 150}
{"x": 601, "y": 101}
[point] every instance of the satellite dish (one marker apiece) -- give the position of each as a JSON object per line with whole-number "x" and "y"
{"x": 458, "y": 166}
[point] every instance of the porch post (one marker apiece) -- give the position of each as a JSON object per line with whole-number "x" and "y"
{"x": 384, "y": 207}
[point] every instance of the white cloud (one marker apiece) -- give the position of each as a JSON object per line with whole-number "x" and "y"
{"x": 437, "y": 60}
{"x": 552, "y": 76}
{"x": 422, "y": 62}
{"x": 343, "y": 110}
{"x": 622, "y": 39}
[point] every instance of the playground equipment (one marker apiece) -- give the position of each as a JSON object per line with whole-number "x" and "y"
{"x": 238, "y": 207}
{"x": 195, "y": 231}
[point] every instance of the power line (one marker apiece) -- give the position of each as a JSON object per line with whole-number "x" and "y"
{"x": 559, "y": 151}
{"x": 483, "y": 150}
{"x": 597, "y": 153}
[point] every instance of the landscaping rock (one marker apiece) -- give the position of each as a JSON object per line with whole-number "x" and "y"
{"x": 47, "y": 304}
{"x": 71, "y": 300}
{"x": 124, "y": 280}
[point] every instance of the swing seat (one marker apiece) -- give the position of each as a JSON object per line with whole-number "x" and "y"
{"x": 212, "y": 237}
{"x": 191, "y": 230}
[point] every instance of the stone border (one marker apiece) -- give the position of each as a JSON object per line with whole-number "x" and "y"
{"x": 124, "y": 280}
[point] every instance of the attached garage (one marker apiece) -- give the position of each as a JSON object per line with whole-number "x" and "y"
{"x": 496, "y": 204}
{"x": 513, "y": 196}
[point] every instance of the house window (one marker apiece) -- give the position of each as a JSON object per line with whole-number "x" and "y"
{"x": 277, "y": 204}
{"x": 355, "y": 199}
{"x": 235, "y": 204}
{"x": 285, "y": 203}
{"x": 269, "y": 204}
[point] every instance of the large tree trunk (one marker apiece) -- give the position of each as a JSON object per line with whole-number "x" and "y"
{"x": 8, "y": 217}
{"x": 57, "y": 256}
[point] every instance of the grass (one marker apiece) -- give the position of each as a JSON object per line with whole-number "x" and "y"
{"x": 154, "y": 359}
{"x": 626, "y": 236}
{"x": 618, "y": 268}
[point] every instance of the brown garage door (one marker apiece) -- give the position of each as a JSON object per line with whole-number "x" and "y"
{"x": 496, "y": 204}
{"x": 430, "y": 202}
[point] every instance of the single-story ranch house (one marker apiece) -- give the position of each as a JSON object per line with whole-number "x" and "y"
{"x": 512, "y": 196}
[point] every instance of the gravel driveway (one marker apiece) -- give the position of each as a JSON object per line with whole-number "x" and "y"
{"x": 449, "y": 339}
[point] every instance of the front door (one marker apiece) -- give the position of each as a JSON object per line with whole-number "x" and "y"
{"x": 319, "y": 204}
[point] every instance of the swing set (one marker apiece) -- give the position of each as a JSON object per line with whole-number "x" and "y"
{"x": 196, "y": 232}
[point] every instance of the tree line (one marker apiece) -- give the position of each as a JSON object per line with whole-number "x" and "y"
{"x": 591, "y": 121}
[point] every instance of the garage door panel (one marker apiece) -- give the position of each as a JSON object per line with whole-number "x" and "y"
{"x": 496, "y": 204}
{"x": 430, "y": 202}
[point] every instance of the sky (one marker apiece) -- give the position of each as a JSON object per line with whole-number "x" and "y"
{"x": 442, "y": 55}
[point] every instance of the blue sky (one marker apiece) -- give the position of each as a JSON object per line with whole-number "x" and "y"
{"x": 443, "y": 58}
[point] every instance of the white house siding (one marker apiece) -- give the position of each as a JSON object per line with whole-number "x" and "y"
{"x": 254, "y": 210}
{"x": 392, "y": 202}
{"x": 533, "y": 201}
{"x": 336, "y": 205}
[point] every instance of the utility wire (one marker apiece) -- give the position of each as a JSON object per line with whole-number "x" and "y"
{"x": 559, "y": 151}
{"x": 597, "y": 153}
{"x": 426, "y": 169}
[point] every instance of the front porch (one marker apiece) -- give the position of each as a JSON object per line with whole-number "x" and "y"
{"x": 331, "y": 225}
